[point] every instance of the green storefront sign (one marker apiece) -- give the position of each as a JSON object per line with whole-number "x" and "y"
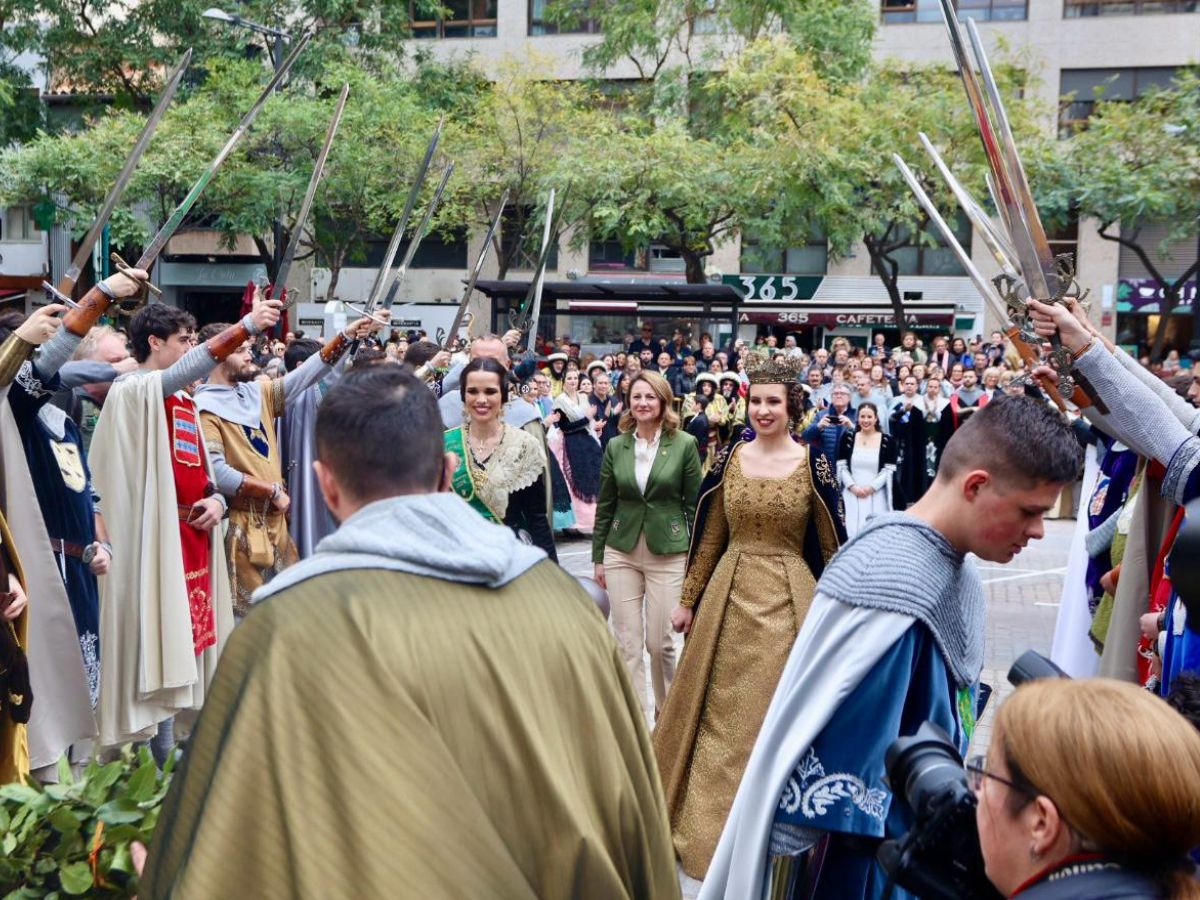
{"x": 768, "y": 288}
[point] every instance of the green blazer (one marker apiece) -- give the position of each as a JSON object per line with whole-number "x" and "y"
{"x": 665, "y": 512}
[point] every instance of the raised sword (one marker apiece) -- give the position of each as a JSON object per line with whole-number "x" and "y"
{"x": 452, "y": 335}
{"x": 397, "y": 275}
{"x": 987, "y": 289}
{"x": 171, "y": 225}
{"x": 527, "y": 316}
{"x": 378, "y": 289}
{"x": 66, "y": 284}
{"x": 285, "y": 264}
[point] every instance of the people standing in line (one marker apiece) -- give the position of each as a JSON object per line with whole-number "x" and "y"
{"x": 501, "y": 469}
{"x": 866, "y": 463}
{"x": 768, "y": 521}
{"x": 649, "y": 484}
{"x": 578, "y": 450}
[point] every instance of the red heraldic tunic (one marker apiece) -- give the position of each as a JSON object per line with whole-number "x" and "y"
{"x": 191, "y": 486}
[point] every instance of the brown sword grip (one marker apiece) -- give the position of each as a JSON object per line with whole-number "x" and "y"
{"x": 1030, "y": 354}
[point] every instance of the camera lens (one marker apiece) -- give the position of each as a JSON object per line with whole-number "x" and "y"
{"x": 924, "y": 766}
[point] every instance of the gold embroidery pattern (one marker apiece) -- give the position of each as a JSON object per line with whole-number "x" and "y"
{"x": 825, "y": 471}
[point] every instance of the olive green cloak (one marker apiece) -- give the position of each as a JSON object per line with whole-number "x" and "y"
{"x": 380, "y": 734}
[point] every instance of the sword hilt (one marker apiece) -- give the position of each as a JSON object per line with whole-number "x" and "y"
{"x": 130, "y": 305}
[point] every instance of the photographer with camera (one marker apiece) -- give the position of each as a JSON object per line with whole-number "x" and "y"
{"x": 1091, "y": 789}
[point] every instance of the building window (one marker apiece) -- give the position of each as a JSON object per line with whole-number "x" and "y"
{"x": 437, "y": 251}
{"x": 579, "y": 22}
{"x": 810, "y": 258}
{"x": 517, "y": 224}
{"x": 1078, "y": 9}
{"x": 933, "y": 259}
{"x": 466, "y": 18}
{"x": 1081, "y": 89}
{"x": 19, "y": 226}
{"x": 658, "y": 258}
{"x": 1065, "y": 239}
{"x": 897, "y": 12}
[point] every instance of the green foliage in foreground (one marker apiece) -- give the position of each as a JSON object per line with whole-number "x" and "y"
{"x": 73, "y": 838}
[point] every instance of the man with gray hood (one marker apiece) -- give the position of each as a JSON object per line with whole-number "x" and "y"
{"x": 424, "y": 702}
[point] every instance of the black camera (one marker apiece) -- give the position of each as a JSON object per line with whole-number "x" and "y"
{"x": 939, "y": 857}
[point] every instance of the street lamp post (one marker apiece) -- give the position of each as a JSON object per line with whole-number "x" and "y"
{"x": 278, "y": 39}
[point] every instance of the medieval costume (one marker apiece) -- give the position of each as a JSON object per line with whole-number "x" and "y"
{"x": 59, "y": 469}
{"x": 49, "y": 496}
{"x": 757, "y": 549}
{"x": 730, "y": 427}
{"x": 894, "y": 638}
{"x": 166, "y": 608}
{"x": 579, "y": 454}
{"x": 508, "y": 487}
{"x": 865, "y": 466}
{"x": 1071, "y": 650}
{"x": 512, "y": 760}
{"x": 907, "y": 429}
{"x": 556, "y": 368}
{"x": 239, "y": 433}
{"x": 310, "y": 517}
{"x": 932, "y": 409}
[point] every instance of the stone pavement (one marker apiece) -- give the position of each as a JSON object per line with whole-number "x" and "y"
{"x": 1022, "y": 599}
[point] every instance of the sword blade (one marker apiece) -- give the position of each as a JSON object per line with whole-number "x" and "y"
{"x": 986, "y": 288}
{"x": 1043, "y": 281}
{"x": 1006, "y": 199}
{"x": 539, "y": 276}
{"x": 66, "y": 284}
{"x": 169, "y": 227}
{"x": 378, "y": 289}
{"x": 285, "y": 265}
{"x": 996, "y": 243}
{"x": 397, "y": 276}
{"x": 452, "y": 334}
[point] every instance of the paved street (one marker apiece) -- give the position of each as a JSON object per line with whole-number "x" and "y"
{"x": 1022, "y": 602}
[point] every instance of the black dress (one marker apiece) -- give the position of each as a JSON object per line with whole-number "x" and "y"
{"x": 907, "y": 428}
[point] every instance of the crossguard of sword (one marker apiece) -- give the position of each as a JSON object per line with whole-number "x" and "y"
{"x": 140, "y": 298}
{"x": 364, "y": 313}
{"x": 58, "y": 296}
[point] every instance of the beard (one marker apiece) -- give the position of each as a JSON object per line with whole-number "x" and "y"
{"x": 245, "y": 374}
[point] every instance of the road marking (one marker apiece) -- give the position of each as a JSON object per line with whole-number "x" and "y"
{"x": 1025, "y": 574}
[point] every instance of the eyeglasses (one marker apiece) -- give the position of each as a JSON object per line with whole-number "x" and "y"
{"x": 977, "y": 771}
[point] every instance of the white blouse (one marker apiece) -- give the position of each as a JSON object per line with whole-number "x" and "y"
{"x": 643, "y": 458}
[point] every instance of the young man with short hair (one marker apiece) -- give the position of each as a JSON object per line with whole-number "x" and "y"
{"x": 894, "y": 637}
{"x": 499, "y": 749}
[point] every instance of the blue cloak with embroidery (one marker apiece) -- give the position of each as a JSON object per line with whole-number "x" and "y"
{"x": 839, "y": 788}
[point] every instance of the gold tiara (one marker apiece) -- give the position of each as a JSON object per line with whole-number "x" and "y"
{"x": 762, "y": 368}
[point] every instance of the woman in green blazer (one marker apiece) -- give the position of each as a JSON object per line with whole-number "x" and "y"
{"x": 649, "y": 482}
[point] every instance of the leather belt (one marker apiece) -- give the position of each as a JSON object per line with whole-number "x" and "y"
{"x": 67, "y": 548}
{"x": 260, "y": 505}
{"x": 184, "y": 511}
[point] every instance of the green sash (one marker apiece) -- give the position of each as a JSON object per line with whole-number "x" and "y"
{"x": 463, "y": 482}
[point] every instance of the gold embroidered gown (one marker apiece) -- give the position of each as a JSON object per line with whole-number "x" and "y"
{"x": 754, "y": 587}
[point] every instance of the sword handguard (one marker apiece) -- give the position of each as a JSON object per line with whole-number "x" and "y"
{"x": 124, "y": 267}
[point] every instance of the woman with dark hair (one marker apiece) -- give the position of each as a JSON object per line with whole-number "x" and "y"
{"x": 768, "y": 521}
{"x": 501, "y": 469}
{"x": 578, "y": 449}
{"x": 865, "y": 465}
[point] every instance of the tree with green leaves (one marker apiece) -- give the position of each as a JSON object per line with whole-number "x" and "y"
{"x": 1138, "y": 163}
{"x": 835, "y": 144}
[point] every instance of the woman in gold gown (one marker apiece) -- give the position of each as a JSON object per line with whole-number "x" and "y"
{"x": 769, "y": 519}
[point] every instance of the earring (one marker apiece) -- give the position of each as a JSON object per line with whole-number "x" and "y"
{"x": 1033, "y": 855}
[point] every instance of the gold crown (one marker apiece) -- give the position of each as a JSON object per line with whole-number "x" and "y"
{"x": 762, "y": 368}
